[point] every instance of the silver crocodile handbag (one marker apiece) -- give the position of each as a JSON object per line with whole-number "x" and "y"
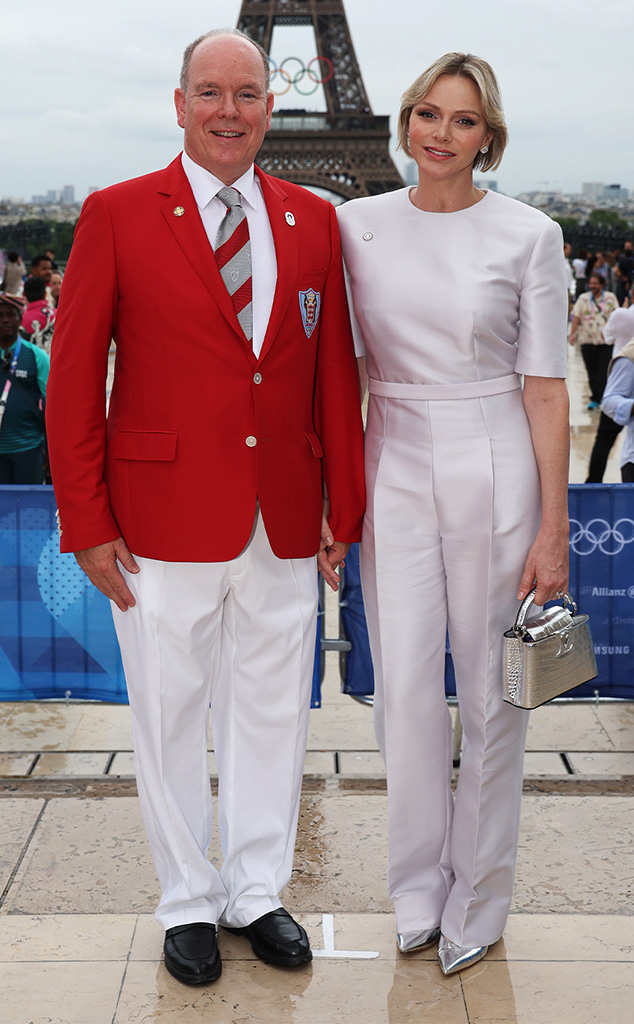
{"x": 548, "y": 655}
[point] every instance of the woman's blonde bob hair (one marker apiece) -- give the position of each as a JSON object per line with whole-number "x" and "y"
{"x": 463, "y": 65}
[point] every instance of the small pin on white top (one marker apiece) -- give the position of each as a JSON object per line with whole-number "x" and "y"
{"x": 367, "y": 236}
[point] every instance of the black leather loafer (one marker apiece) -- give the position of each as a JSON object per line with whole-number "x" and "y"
{"x": 277, "y": 939}
{"x": 191, "y": 953}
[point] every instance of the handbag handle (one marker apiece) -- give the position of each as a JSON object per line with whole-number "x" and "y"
{"x": 527, "y": 602}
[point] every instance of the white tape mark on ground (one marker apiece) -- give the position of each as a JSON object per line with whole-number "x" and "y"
{"x": 329, "y": 951}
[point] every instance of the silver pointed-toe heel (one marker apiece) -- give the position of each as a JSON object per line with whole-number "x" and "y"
{"x": 455, "y": 958}
{"x": 412, "y": 942}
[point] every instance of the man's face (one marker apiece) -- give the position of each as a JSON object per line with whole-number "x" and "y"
{"x": 567, "y": 250}
{"x": 225, "y": 111}
{"x": 43, "y": 270}
{"x": 595, "y": 286}
{"x": 10, "y": 320}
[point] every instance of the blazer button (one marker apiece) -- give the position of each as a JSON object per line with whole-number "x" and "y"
{"x": 257, "y": 378}
{"x": 251, "y": 441}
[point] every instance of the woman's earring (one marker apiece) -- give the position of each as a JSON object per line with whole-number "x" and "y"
{"x": 407, "y": 140}
{"x": 485, "y": 149}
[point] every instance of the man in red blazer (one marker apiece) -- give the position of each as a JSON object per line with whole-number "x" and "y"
{"x": 196, "y": 504}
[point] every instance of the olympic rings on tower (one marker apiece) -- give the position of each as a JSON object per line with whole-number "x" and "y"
{"x": 304, "y": 71}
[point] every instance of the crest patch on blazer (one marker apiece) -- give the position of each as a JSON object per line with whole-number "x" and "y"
{"x": 309, "y": 306}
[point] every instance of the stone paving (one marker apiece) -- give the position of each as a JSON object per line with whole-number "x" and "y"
{"x": 79, "y": 943}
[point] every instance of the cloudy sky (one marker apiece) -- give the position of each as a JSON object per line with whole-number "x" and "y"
{"x": 87, "y": 87}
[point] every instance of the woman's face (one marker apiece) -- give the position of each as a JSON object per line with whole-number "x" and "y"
{"x": 447, "y": 129}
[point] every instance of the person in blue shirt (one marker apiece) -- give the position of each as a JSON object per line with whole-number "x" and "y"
{"x": 23, "y": 374}
{"x": 618, "y": 404}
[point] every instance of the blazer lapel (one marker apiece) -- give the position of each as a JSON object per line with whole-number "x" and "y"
{"x": 183, "y": 219}
{"x": 286, "y": 239}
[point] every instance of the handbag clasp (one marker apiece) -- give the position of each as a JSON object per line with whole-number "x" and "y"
{"x": 565, "y": 644}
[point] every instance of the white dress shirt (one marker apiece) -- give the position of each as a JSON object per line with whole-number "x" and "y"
{"x": 205, "y": 187}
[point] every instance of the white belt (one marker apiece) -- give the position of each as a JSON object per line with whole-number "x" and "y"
{"x": 427, "y": 392}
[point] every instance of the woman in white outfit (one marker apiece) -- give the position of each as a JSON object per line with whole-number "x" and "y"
{"x": 456, "y": 292}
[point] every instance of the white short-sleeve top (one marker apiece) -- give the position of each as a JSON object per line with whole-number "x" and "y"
{"x": 445, "y": 298}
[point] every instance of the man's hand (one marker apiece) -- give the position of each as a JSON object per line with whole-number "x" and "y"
{"x": 100, "y": 565}
{"x": 331, "y": 555}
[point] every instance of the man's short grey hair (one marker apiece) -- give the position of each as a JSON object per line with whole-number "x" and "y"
{"x": 187, "y": 56}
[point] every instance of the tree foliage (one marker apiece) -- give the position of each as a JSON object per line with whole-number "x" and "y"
{"x": 566, "y": 222}
{"x": 608, "y": 219}
{"x": 30, "y": 237}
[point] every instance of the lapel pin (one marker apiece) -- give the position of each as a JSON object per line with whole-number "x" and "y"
{"x": 289, "y": 218}
{"x": 367, "y": 236}
{"x": 178, "y": 211}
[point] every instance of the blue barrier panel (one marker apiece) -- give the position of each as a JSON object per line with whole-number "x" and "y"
{"x": 601, "y": 581}
{"x": 358, "y": 678}
{"x": 57, "y": 637}
{"x": 56, "y": 633}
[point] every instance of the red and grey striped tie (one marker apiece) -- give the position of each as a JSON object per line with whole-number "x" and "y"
{"x": 233, "y": 256}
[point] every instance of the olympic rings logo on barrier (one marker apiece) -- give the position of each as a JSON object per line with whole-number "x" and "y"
{"x": 598, "y": 533}
{"x": 324, "y": 65}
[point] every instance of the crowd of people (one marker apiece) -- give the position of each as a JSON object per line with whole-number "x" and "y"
{"x": 28, "y": 306}
{"x": 600, "y": 286}
{"x": 616, "y": 267}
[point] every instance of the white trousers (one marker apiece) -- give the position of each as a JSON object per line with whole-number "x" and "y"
{"x": 453, "y": 507}
{"x": 241, "y": 636}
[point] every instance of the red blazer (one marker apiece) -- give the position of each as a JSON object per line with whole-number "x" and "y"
{"x": 174, "y": 468}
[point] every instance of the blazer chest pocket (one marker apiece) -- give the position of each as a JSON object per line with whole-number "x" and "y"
{"x": 143, "y": 445}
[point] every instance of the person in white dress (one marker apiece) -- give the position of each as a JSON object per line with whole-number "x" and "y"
{"x": 456, "y": 292}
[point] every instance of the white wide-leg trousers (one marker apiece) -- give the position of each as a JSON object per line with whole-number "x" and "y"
{"x": 241, "y": 636}
{"x": 453, "y": 507}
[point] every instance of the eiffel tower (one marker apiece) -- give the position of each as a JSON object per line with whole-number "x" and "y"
{"x": 345, "y": 149}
